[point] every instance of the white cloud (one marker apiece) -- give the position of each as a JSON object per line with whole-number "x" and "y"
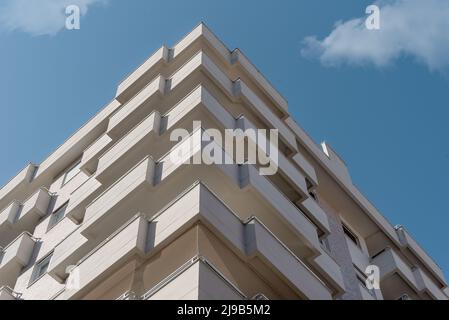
{"x": 38, "y": 17}
{"x": 413, "y": 28}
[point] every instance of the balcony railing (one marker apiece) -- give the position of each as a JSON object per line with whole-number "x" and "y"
{"x": 251, "y": 239}
{"x": 89, "y": 161}
{"x": 19, "y": 217}
{"x": 425, "y": 284}
{"x": 407, "y": 241}
{"x": 389, "y": 263}
{"x": 139, "y": 177}
{"x": 23, "y": 177}
{"x": 221, "y": 285}
{"x": 133, "y": 145}
{"x": 16, "y": 256}
{"x": 81, "y": 197}
{"x": 135, "y": 109}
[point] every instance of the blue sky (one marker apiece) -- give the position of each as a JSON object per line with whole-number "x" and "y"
{"x": 381, "y": 102}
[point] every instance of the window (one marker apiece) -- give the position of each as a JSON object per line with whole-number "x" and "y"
{"x": 40, "y": 269}
{"x": 350, "y": 235}
{"x": 57, "y": 215}
{"x": 71, "y": 172}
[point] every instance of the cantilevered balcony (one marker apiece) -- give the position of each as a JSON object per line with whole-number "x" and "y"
{"x": 16, "y": 184}
{"x": 235, "y": 90}
{"x": 7, "y": 219}
{"x": 119, "y": 194}
{"x": 446, "y": 291}
{"x": 427, "y": 286}
{"x": 14, "y": 257}
{"x": 305, "y": 165}
{"x": 392, "y": 265}
{"x": 140, "y": 105}
{"x": 134, "y": 145}
{"x": 89, "y": 160}
{"x": 18, "y": 217}
{"x": 101, "y": 216}
{"x": 197, "y": 279}
{"x": 124, "y": 243}
{"x": 133, "y": 192}
{"x": 409, "y": 243}
{"x": 316, "y": 214}
{"x": 210, "y": 106}
{"x": 81, "y": 197}
{"x": 329, "y": 269}
{"x": 136, "y": 109}
{"x": 200, "y": 37}
{"x": 250, "y": 240}
{"x": 67, "y": 253}
{"x": 134, "y": 83}
{"x": 288, "y": 170}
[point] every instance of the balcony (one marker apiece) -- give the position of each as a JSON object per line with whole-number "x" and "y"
{"x": 133, "y": 145}
{"x": 305, "y": 165}
{"x": 123, "y": 244}
{"x": 197, "y": 279}
{"x": 329, "y": 269}
{"x": 316, "y": 214}
{"x": 235, "y": 90}
{"x": 151, "y": 67}
{"x": 138, "y": 107}
{"x": 251, "y": 240}
{"x": 130, "y": 86}
{"x": 292, "y": 215}
{"x": 14, "y": 257}
{"x": 408, "y": 242}
{"x": 288, "y": 170}
{"x": 390, "y": 264}
{"x": 67, "y": 252}
{"x": 89, "y": 160}
{"x": 17, "y": 217}
{"x": 7, "y": 219}
{"x": 119, "y": 194}
{"x": 428, "y": 286}
{"x": 134, "y": 192}
{"x": 81, "y": 197}
{"x": 265, "y": 112}
{"x": 7, "y": 294}
{"x": 245, "y": 177}
{"x": 135, "y": 109}
{"x": 101, "y": 215}
{"x": 23, "y": 178}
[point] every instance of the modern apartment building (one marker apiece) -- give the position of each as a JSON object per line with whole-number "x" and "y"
{"x": 110, "y": 215}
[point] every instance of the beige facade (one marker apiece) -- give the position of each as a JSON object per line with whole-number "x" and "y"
{"x": 110, "y": 215}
